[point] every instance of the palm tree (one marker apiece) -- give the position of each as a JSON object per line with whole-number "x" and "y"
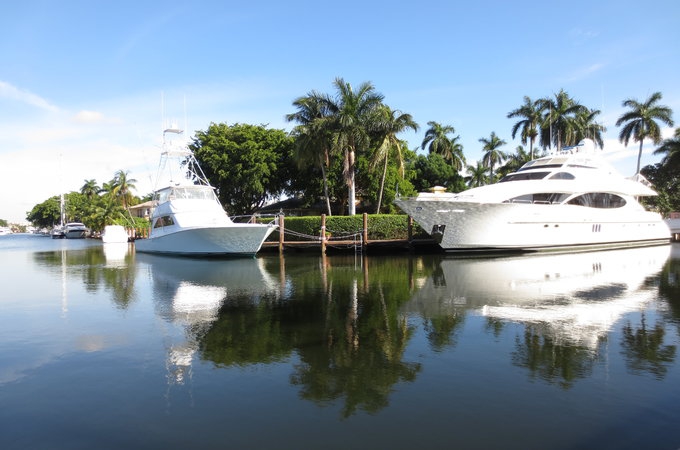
{"x": 90, "y": 189}
{"x": 121, "y": 187}
{"x": 670, "y": 148}
{"x": 585, "y": 127}
{"x": 388, "y": 126}
{"x": 313, "y": 137}
{"x": 558, "y": 118}
{"x": 351, "y": 115}
{"x": 492, "y": 155}
{"x": 477, "y": 175}
{"x": 641, "y": 121}
{"x": 515, "y": 160}
{"x": 437, "y": 141}
{"x": 531, "y": 115}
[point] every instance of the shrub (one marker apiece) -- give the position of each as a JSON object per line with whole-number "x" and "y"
{"x": 380, "y": 227}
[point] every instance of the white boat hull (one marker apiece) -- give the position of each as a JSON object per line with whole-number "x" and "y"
{"x": 114, "y": 234}
{"x": 468, "y": 226}
{"x": 236, "y": 239}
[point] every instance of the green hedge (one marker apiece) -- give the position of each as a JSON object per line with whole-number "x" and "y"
{"x": 380, "y": 227}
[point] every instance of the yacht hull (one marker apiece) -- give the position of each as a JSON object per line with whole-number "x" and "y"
{"x": 483, "y": 227}
{"x": 236, "y": 239}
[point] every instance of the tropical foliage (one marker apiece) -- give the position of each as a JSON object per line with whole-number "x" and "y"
{"x": 247, "y": 164}
{"x": 665, "y": 176}
{"x": 437, "y": 141}
{"x": 94, "y": 206}
{"x": 345, "y": 152}
{"x": 641, "y": 121}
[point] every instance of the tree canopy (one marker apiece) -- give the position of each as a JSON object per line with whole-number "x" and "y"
{"x": 247, "y": 164}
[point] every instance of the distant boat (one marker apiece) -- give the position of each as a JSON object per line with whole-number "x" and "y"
{"x": 568, "y": 200}
{"x": 114, "y": 234}
{"x": 187, "y": 217}
{"x": 5, "y": 230}
{"x": 75, "y": 230}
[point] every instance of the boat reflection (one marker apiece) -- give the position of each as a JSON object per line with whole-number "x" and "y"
{"x": 115, "y": 253}
{"x": 189, "y": 293}
{"x": 575, "y": 298}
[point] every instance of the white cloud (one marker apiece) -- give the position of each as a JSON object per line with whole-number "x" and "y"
{"x": 581, "y": 36}
{"x": 583, "y": 72}
{"x": 12, "y": 92}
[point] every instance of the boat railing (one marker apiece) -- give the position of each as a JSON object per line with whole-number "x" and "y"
{"x": 267, "y": 219}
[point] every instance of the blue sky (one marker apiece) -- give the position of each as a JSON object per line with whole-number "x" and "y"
{"x": 81, "y": 82}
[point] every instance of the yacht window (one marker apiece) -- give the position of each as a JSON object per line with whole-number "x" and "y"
{"x": 598, "y": 200}
{"x": 545, "y": 198}
{"x": 524, "y": 176}
{"x": 562, "y": 176}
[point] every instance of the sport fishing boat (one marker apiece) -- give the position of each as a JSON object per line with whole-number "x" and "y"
{"x": 187, "y": 217}
{"x": 570, "y": 200}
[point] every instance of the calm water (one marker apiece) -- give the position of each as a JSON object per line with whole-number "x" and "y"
{"x": 104, "y": 348}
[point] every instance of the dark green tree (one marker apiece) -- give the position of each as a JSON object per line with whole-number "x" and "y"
{"x": 666, "y": 181}
{"x": 45, "y": 214}
{"x": 670, "y": 149}
{"x": 248, "y": 164}
{"x": 433, "y": 170}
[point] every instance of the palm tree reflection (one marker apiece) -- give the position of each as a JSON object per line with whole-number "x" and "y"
{"x": 644, "y": 349}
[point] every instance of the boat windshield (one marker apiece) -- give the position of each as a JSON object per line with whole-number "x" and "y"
{"x": 188, "y": 192}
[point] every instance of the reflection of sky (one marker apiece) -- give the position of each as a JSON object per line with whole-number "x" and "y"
{"x": 47, "y": 312}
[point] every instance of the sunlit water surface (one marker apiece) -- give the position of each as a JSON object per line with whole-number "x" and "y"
{"x": 104, "y": 348}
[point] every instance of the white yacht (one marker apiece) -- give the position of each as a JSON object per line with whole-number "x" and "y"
{"x": 75, "y": 230}
{"x": 187, "y": 217}
{"x": 571, "y": 200}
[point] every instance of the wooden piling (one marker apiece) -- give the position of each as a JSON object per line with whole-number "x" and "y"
{"x": 323, "y": 233}
{"x": 282, "y": 232}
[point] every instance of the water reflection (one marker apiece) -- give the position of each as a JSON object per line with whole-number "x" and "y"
{"x": 341, "y": 326}
{"x": 108, "y": 267}
{"x": 189, "y": 293}
{"x": 345, "y": 323}
{"x": 566, "y": 303}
